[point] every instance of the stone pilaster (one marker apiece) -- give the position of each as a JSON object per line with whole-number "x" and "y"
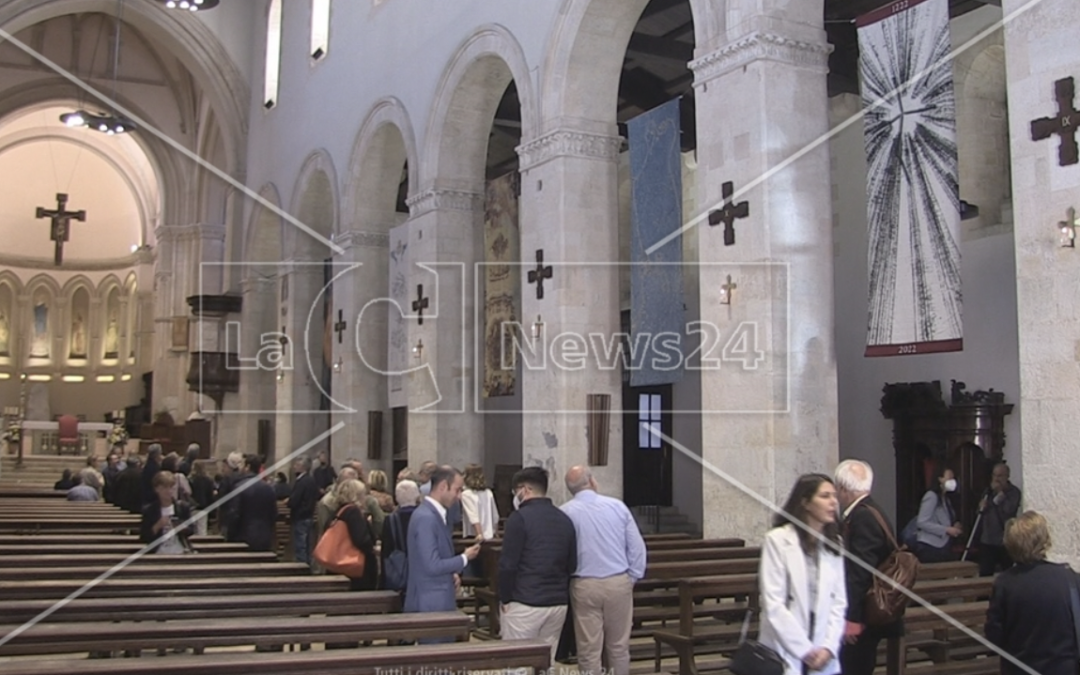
{"x": 298, "y": 418}
{"x": 569, "y": 208}
{"x": 445, "y": 239}
{"x": 255, "y": 343}
{"x": 769, "y": 388}
{"x": 1040, "y": 48}
{"x": 360, "y": 384}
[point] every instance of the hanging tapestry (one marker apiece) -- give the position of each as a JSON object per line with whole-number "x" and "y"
{"x": 656, "y": 283}
{"x": 501, "y": 281}
{"x": 912, "y": 183}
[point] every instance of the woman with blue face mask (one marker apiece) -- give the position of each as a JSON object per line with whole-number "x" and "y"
{"x": 937, "y": 524}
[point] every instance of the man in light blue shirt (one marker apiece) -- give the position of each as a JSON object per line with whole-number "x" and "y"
{"x": 611, "y": 558}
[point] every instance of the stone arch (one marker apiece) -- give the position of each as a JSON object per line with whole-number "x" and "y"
{"x": 385, "y": 141}
{"x": 12, "y": 281}
{"x": 580, "y": 81}
{"x": 468, "y": 94}
{"x": 265, "y": 230}
{"x": 314, "y": 203}
{"x": 107, "y": 284}
{"x": 983, "y": 137}
{"x": 76, "y": 282}
{"x": 181, "y": 34}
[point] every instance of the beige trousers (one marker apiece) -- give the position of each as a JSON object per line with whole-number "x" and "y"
{"x": 603, "y": 616}
{"x": 525, "y": 622}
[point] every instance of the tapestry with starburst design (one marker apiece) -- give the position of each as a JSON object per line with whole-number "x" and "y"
{"x": 913, "y": 205}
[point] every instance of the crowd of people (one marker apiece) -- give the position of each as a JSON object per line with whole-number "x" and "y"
{"x": 577, "y": 563}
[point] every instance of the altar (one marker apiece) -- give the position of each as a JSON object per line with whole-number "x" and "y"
{"x": 41, "y": 438}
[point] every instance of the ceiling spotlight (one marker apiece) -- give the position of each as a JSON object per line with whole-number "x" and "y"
{"x": 189, "y": 5}
{"x": 103, "y": 122}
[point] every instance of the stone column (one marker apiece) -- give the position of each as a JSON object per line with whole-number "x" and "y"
{"x": 769, "y": 402}
{"x": 299, "y": 419}
{"x": 1040, "y": 50}
{"x": 255, "y": 343}
{"x": 361, "y": 279}
{"x": 569, "y": 208}
{"x": 445, "y": 235}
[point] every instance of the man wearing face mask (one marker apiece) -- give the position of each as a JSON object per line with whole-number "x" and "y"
{"x": 937, "y": 521}
{"x": 538, "y": 557}
{"x": 1001, "y": 502}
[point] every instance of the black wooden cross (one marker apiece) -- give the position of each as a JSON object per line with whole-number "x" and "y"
{"x": 60, "y": 219}
{"x": 729, "y": 214}
{"x": 1063, "y": 124}
{"x": 339, "y": 327}
{"x": 284, "y": 339}
{"x": 420, "y": 304}
{"x": 538, "y": 275}
{"x": 725, "y": 291}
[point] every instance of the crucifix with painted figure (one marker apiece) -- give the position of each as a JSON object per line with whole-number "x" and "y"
{"x": 541, "y": 272}
{"x": 60, "y": 229}
{"x": 729, "y": 214}
{"x": 420, "y": 304}
{"x": 1063, "y": 123}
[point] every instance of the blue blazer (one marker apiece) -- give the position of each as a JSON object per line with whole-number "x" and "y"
{"x": 432, "y": 563}
{"x": 935, "y": 516}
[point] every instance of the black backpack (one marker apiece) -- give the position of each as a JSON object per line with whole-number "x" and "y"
{"x": 396, "y": 565}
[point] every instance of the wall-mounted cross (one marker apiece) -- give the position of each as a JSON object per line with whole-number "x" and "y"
{"x": 340, "y": 326}
{"x": 420, "y": 304}
{"x": 1063, "y": 124}
{"x": 729, "y": 214}
{"x": 725, "y": 291}
{"x": 60, "y": 229}
{"x": 284, "y": 339}
{"x": 538, "y": 275}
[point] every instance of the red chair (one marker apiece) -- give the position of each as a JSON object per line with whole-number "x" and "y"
{"x": 67, "y": 435}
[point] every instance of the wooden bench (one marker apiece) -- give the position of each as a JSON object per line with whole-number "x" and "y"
{"x": 30, "y": 549}
{"x": 176, "y": 585}
{"x": 719, "y": 553}
{"x": 37, "y": 562}
{"x": 86, "y": 540}
{"x": 456, "y": 657}
{"x": 32, "y": 493}
{"x": 69, "y": 638}
{"x": 199, "y": 607}
{"x": 195, "y": 570}
{"x": 970, "y": 614}
{"x": 82, "y": 525}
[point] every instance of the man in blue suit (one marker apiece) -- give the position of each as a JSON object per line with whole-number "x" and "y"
{"x": 434, "y": 569}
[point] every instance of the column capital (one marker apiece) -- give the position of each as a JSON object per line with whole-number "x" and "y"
{"x": 257, "y": 284}
{"x": 194, "y": 231}
{"x": 443, "y": 199}
{"x": 758, "y": 46}
{"x": 361, "y": 239}
{"x": 568, "y": 143}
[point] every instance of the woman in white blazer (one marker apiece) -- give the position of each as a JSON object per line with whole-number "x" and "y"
{"x": 803, "y": 595}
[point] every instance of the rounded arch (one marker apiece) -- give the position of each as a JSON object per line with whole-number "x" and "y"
{"x": 314, "y": 203}
{"x": 265, "y": 229}
{"x": 12, "y": 281}
{"x": 179, "y": 33}
{"x": 385, "y": 141}
{"x": 580, "y": 82}
{"x": 455, "y": 141}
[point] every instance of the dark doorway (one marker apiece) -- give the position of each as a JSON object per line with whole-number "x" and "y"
{"x": 646, "y": 458}
{"x": 914, "y": 472}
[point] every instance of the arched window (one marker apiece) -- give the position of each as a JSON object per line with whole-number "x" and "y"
{"x": 273, "y": 54}
{"x": 320, "y": 28}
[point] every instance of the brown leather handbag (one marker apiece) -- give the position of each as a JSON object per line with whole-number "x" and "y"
{"x": 885, "y": 602}
{"x": 336, "y": 552}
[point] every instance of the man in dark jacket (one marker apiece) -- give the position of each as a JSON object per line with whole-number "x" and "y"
{"x": 325, "y": 475}
{"x": 1001, "y": 503}
{"x": 539, "y": 556}
{"x": 302, "y": 509}
{"x": 865, "y": 539}
{"x": 256, "y": 513}
{"x": 127, "y": 494}
{"x": 153, "y": 465}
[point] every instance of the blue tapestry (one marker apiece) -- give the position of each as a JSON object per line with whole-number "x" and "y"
{"x": 656, "y": 285}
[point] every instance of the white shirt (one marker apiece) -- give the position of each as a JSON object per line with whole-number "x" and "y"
{"x": 442, "y": 514}
{"x": 479, "y": 507}
{"x": 847, "y": 511}
{"x": 171, "y": 545}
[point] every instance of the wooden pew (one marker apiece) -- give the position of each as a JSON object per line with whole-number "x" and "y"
{"x": 31, "y": 492}
{"x": 150, "y": 571}
{"x": 38, "y": 562}
{"x": 104, "y": 524}
{"x": 719, "y": 553}
{"x": 89, "y": 540}
{"x": 970, "y": 614}
{"x": 178, "y": 585}
{"x": 685, "y": 544}
{"x": 205, "y": 607}
{"x": 7, "y": 550}
{"x": 696, "y": 594}
{"x": 68, "y": 638}
{"x": 456, "y": 657}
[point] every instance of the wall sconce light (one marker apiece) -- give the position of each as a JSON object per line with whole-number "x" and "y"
{"x": 538, "y": 327}
{"x": 1067, "y": 228}
{"x": 338, "y": 365}
{"x": 280, "y": 375}
{"x": 418, "y": 350}
{"x": 726, "y": 291}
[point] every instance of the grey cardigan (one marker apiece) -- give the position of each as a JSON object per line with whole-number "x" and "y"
{"x": 935, "y": 516}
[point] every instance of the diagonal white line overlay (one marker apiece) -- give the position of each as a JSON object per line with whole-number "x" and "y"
{"x": 825, "y": 138}
{"x": 146, "y": 549}
{"x": 162, "y": 136}
{"x": 915, "y": 598}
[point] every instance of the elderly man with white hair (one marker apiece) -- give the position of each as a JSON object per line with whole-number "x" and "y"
{"x": 867, "y": 540}
{"x": 394, "y": 532}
